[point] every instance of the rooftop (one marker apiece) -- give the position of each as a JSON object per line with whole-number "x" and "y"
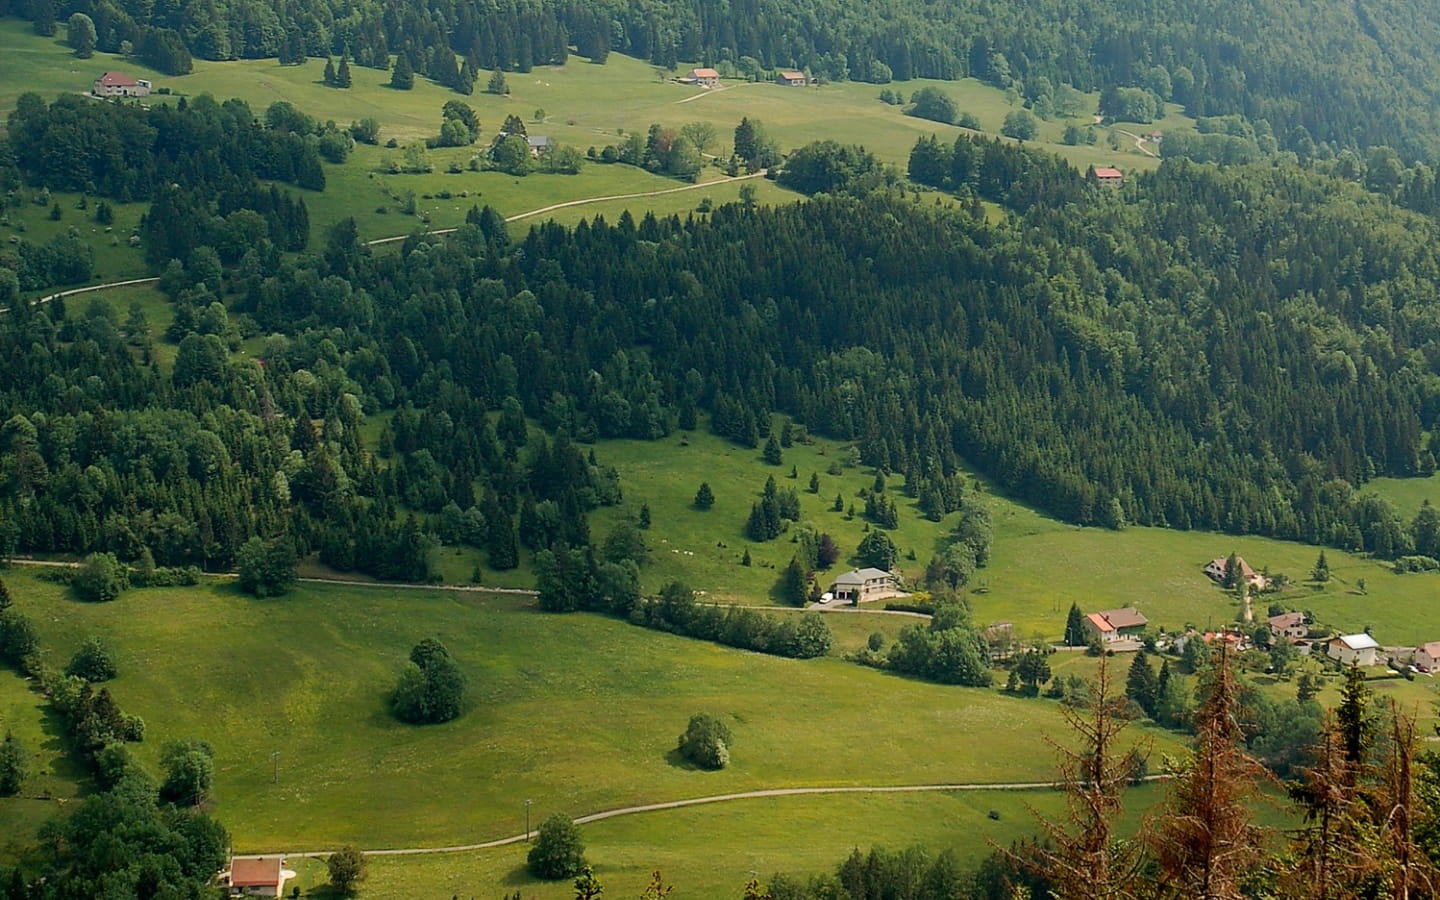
{"x": 1109, "y": 173}
{"x": 255, "y": 871}
{"x": 117, "y": 79}
{"x": 1360, "y": 641}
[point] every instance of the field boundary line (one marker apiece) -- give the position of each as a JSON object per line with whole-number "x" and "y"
{"x": 719, "y": 798}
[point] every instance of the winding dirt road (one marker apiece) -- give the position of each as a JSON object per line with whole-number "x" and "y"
{"x": 716, "y": 798}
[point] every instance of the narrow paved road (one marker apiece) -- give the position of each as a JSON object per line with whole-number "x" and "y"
{"x": 716, "y": 798}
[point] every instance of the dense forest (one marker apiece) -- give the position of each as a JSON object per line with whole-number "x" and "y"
{"x": 1331, "y": 73}
{"x": 1237, "y": 349}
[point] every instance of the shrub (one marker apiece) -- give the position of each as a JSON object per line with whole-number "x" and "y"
{"x": 100, "y": 579}
{"x": 92, "y": 662}
{"x": 558, "y": 851}
{"x": 706, "y": 742}
{"x": 431, "y": 689}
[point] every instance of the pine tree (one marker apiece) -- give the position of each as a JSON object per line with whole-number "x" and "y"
{"x": 1321, "y": 572}
{"x": 1141, "y": 685}
{"x": 1205, "y": 842}
{"x": 704, "y": 498}
{"x": 814, "y": 482}
{"x": 403, "y": 76}
{"x": 772, "y": 451}
{"x": 5, "y": 601}
{"x": 497, "y": 83}
{"x": 329, "y": 76}
{"x": 1075, "y": 628}
{"x": 792, "y": 586}
{"x": 342, "y": 74}
{"x": 1081, "y": 859}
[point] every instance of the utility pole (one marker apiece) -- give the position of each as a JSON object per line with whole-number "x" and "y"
{"x": 275, "y": 761}
{"x": 527, "y": 819}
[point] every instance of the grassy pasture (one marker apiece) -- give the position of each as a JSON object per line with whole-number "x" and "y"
{"x": 577, "y": 713}
{"x": 53, "y": 780}
{"x": 711, "y": 851}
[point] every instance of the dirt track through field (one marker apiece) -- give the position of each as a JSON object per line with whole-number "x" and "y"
{"x": 717, "y": 798}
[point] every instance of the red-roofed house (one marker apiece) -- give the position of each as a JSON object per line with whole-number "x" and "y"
{"x": 118, "y": 84}
{"x": 256, "y": 876}
{"x": 1116, "y": 624}
{"x": 1289, "y": 626}
{"x": 707, "y": 77}
{"x": 1109, "y": 177}
{"x": 793, "y": 79}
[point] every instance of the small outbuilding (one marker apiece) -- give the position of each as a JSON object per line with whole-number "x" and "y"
{"x": 1354, "y": 649}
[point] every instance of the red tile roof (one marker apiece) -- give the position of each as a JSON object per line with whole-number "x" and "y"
{"x": 255, "y": 871}
{"x": 117, "y": 79}
{"x": 706, "y": 73}
{"x": 1109, "y": 173}
{"x": 1101, "y": 624}
{"x": 792, "y": 76}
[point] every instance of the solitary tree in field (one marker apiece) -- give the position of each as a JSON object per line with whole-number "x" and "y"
{"x": 346, "y": 867}
{"x": 497, "y": 83}
{"x": 402, "y": 78}
{"x": 1321, "y": 572}
{"x": 706, "y": 742}
{"x": 704, "y": 498}
{"x": 558, "y": 851}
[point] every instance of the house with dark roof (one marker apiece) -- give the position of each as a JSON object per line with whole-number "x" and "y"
{"x": 118, "y": 84}
{"x": 1116, "y": 624}
{"x": 858, "y": 585}
{"x": 1215, "y": 568}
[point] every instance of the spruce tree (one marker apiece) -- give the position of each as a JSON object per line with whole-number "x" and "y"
{"x": 1321, "y": 572}
{"x": 1141, "y": 685}
{"x": 342, "y": 74}
{"x": 792, "y": 587}
{"x": 772, "y": 451}
{"x": 329, "y": 72}
{"x": 403, "y": 76}
{"x": 704, "y": 498}
{"x": 5, "y": 601}
{"x": 1075, "y": 628}
{"x": 497, "y": 83}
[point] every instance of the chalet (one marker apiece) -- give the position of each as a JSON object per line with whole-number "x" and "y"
{"x": 1109, "y": 177}
{"x": 118, "y": 84}
{"x": 1357, "y": 649}
{"x": 857, "y": 585}
{"x": 792, "y": 79}
{"x": 1215, "y": 568}
{"x": 256, "y": 876}
{"x": 1116, "y": 624}
{"x": 539, "y": 144}
{"x": 706, "y": 77}
{"x": 1289, "y": 626}
{"x": 1427, "y": 657}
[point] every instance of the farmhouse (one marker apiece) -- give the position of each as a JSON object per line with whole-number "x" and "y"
{"x": 118, "y": 84}
{"x": 1116, "y": 624}
{"x": 707, "y": 77}
{"x": 1289, "y": 626}
{"x": 538, "y": 144}
{"x": 1427, "y": 656}
{"x": 256, "y": 876}
{"x": 1359, "y": 649}
{"x": 792, "y": 79}
{"x": 857, "y": 585}
{"x": 1215, "y": 568}
{"x": 1109, "y": 177}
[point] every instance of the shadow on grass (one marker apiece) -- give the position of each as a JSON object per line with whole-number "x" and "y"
{"x": 677, "y": 760}
{"x": 326, "y": 891}
{"x": 520, "y": 875}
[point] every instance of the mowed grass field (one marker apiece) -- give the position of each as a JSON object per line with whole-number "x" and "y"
{"x": 576, "y": 713}
{"x": 711, "y": 851}
{"x": 53, "y": 780}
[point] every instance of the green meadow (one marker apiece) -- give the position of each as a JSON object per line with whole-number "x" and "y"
{"x": 711, "y": 851}
{"x": 577, "y": 713}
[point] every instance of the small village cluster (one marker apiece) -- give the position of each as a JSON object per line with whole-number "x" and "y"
{"x": 1121, "y": 630}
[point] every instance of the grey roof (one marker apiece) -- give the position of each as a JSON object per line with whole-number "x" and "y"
{"x": 860, "y": 576}
{"x": 537, "y": 140}
{"x": 1360, "y": 641}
